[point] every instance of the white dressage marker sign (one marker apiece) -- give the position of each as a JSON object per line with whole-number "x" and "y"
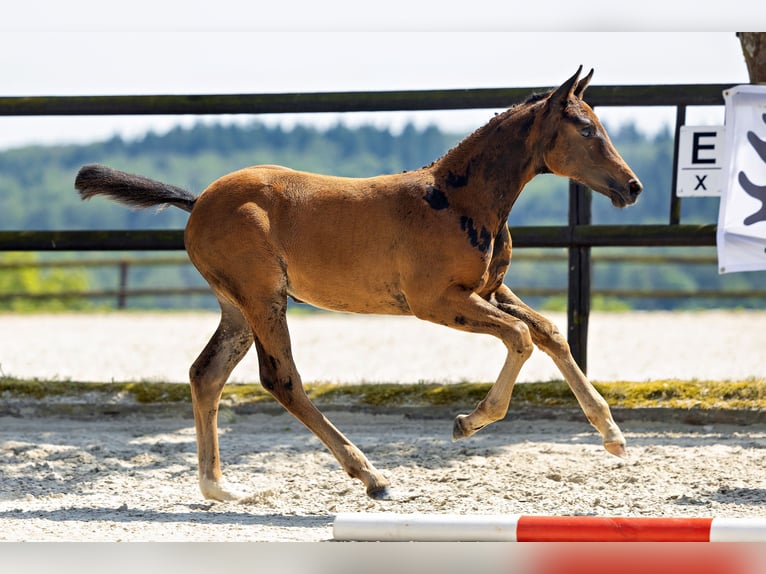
{"x": 742, "y": 214}
{"x": 700, "y": 161}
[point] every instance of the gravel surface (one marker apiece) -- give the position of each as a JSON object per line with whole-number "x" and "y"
{"x": 132, "y": 476}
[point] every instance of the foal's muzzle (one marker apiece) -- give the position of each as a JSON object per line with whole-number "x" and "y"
{"x": 624, "y": 195}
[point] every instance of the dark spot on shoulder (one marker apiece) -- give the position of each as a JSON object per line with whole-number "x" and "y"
{"x": 458, "y": 179}
{"x": 460, "y": 320}
{"x": 436, "y": 198}
{"x": 480, "y": 239}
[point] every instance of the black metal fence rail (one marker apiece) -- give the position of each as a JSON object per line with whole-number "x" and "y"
{"x": 324, "y": 102}
{"x": 529, "y": 236}
{"x": 579, "y": 236}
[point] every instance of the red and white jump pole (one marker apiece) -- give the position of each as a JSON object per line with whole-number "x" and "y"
{"x": 518, "y": 528}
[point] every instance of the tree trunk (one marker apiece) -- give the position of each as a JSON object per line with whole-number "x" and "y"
{"x": 754, "y": 49}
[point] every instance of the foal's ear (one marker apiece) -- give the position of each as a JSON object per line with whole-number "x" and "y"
{"x": 566, "y": 90}
{"x": 582, "y": 84}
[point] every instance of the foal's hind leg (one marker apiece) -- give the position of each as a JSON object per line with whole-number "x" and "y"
{"x": 208, "y": 375}
{"x": 280, "y": 377}
{"x": 546, "y": 336}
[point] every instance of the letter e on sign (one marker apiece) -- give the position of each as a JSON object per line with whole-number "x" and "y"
{"x": 700, "y": 161}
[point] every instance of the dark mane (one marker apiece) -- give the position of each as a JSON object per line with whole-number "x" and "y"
{"x": 535, "y": 97}
{"x": 494, "y": 121}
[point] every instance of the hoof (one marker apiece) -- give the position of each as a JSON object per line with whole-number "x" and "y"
{"x": 458, "y": 430}
{"x": 220, "y": 491}
{"x": 389, "y": 494}
{"x": 381, "y": 493}
{"x": 616, "y": 448}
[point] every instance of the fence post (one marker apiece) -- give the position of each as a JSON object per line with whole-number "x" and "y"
{"x": 675, "y": 201}
{"x": 578, "y": 304}
{"x": 123, "y": 287}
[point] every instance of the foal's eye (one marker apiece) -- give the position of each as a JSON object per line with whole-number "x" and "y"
{"x": 587, "y": 131}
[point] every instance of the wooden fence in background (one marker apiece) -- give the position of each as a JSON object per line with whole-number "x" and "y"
{"x": 578, "y": 237}
{"x": 122, "y": 291}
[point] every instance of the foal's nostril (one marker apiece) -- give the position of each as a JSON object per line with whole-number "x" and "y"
{"x": 635, "y": 187}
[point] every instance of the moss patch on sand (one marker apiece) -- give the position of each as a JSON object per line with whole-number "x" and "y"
{"x": 671, "y": 393}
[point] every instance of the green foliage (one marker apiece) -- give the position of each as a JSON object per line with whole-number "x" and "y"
{"x": 20, "y": 274}
{"x": 598, "y": 303}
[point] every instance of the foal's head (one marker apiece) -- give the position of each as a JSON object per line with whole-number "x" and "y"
{"x": 576, "y": 145}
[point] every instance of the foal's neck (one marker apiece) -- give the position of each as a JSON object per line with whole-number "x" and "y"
{"x": 490, "y": 167}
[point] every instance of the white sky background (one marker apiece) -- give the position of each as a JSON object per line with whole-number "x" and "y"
{"x": 92, "y": 47}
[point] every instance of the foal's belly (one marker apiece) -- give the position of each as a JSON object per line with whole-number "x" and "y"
{"x": 351, "y": 297}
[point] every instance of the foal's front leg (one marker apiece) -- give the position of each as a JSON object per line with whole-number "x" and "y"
{"x": 466, "y": 311}
{"x": 546, "y": 336}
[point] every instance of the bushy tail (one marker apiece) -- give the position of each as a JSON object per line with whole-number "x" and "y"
{"x": 134, "y": 191}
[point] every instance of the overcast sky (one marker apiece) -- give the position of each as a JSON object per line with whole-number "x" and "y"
{"x": 94, "y": 47}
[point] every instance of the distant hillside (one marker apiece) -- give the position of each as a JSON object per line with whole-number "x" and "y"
{"x": 36, "y": 183}
{"x": 36, "y": 191}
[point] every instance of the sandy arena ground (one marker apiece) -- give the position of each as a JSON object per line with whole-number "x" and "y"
{"x": 132, "y": 477}
{"x": 352, "y": 348}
